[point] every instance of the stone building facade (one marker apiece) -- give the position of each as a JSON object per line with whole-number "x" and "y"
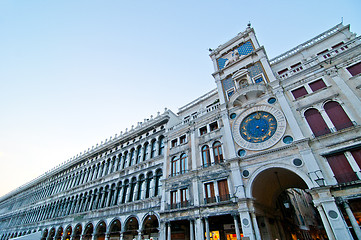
{"x": 273, "y": 152}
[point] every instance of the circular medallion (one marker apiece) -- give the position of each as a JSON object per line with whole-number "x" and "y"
{"x": 259, "y": 127}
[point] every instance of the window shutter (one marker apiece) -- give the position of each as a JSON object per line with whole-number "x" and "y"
{"x": 223, "y": 187}
{"x": 299, "y": 92}
{"x": 337, "y": 115}
{"x": 316, "y": 122}
{"x": 355, "y": 69}
{"x": 341, "y": 168}
{"x": 316, "y": 85}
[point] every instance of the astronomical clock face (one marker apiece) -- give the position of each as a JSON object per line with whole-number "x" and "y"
{"x": 259, "y": 127}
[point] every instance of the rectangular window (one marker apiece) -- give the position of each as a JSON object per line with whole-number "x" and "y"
{"x": 173, "y": 199}
{"x": 174, "y": 143}
{"x": 182, "y": 139}
{"x": 209, "y": 191}
{"x": 317, "y": 85}
{"x": 282, "y": 71}
{"x": 341, "y": 168}
{"x": 223, "y": 190}
{"x": 213, "y": 126}
{"x": 299, "y": 92}
{"x": 203, "y": 130}
{"x": 183, "y": 197}
{"x": 355, "y": 69}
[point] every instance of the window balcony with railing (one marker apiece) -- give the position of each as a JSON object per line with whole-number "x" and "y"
{"x": 346, "y": 177}
{"x": 179, "y": 205}
{"x": 178, "y": 173}
{"x": 217, "y": 199}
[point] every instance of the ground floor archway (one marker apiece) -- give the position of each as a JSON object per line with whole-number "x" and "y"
{"x": 283, "y": 207}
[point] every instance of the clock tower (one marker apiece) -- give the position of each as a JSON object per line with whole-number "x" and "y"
{"x": 262, "y": 131}
{"x": 249, "y": 94}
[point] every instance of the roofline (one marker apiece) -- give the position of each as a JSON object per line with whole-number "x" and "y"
{"x": 339, "y": 27}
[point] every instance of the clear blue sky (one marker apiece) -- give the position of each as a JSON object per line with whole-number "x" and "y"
{"x": 73, "y": 73}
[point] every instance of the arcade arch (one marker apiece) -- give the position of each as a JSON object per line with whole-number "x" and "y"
{"x": 150, "y": 227}
{"x": 131, "y": 228}
{"x": 100, "y": 231}
{"x": 115, "y": 229}
{"x": 283, "y": 209}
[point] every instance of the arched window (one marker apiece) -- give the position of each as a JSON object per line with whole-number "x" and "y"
{"x": 337, "y": 115}
{"x": 153, "y": 149}
{"x": 217, "y": 152}
{"x": 161, "y": 145}
{"x": 158, "y": 175}
{"x": 140, "y": 194}
{"x": 145, "y": 151}
{"x": 316, "y": 122}
{"x": 125, "y": 155}
{"x": 183, "y": 163}
{"x": 139, "y": 154}
{"x": 118, "y": 197}
{"x": 205, "y": 156}
{"x": 125, "y": 188}
{"x": 132, "y": 188}
{"x": 174, "y": 167}
{"x": 118, "y": 162}
{"x": 131, "y": 158}
{"x": 148, "y": 187}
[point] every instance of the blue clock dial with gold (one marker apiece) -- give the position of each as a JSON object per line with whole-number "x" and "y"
{"x": 258, "y": 127}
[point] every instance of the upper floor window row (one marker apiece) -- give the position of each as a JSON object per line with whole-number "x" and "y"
{"x": 331, "y": 118}
{"x": 208, "y": 128}
{"x": 181, "y": 140}
{"x": 308, "y": 88}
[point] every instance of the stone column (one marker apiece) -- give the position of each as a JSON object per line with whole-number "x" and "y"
{"x": 255, "y": 226}
{"x": 236, "y": 226}
{"x": 325, "y": 222}
{"x": 349, "y": 93}
{"x": 143, "y": 189}
{"x": 191, "y": 229}
{"x": 139, "y": 234}
{"x": 207, "y": 228}
{"x": 199, "y": 229}
{"x": 169, "y": 233}
{"x": 353, "y": 220}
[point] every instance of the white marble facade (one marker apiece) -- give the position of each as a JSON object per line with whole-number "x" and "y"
{"x": 221, "y": 166}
